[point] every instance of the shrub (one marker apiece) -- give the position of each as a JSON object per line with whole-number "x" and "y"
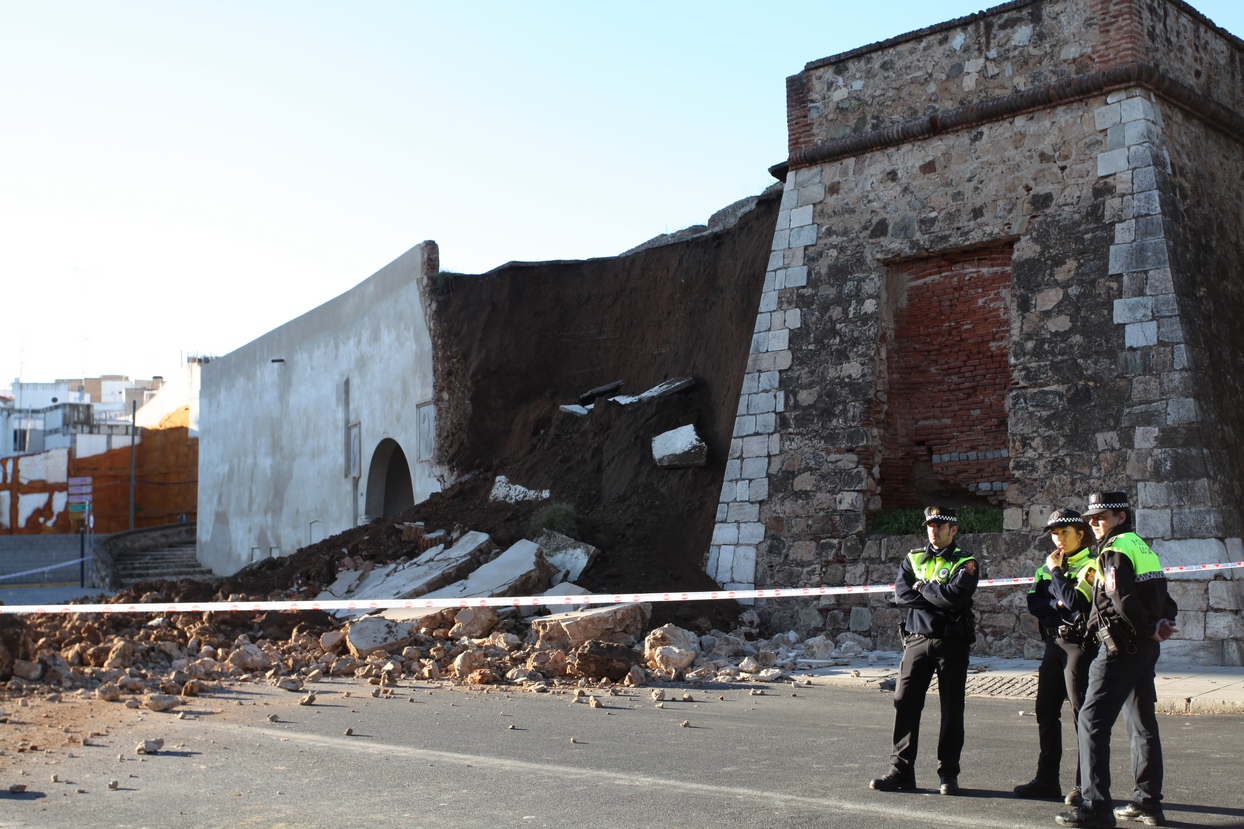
{"x": 911, "y": 521}
{"x": 560, "y": 518}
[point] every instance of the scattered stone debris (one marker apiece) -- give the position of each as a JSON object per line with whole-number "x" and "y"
{"x": 113, "y": 785}
{"x": 154, "y": 746}
{"x": 17, "y": 788}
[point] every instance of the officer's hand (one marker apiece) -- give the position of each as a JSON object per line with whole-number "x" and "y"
{"x": 1054, "y": 561}
{"x": 1166, "y": 629}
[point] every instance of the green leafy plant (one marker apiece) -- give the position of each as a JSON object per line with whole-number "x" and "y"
{"x": 442, "y": 283}
{"x": 560, "y": 518}
{"x": 911, "y": 521}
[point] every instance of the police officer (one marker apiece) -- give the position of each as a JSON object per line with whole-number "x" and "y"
{"x": 1131, "y": 615}
{"x": 1060, "y": 598}
{"x": 935, "y": 587}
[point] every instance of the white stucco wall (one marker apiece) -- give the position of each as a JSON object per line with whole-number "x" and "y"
{"x": 273, "y": 435}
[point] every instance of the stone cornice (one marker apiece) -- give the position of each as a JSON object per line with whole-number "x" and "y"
{"x": 1086, "y": 86}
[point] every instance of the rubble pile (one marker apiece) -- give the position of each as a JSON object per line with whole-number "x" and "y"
{"x": 620, "y": 520}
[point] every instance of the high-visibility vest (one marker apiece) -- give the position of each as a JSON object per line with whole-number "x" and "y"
{"x": 937, "y": 568}
{"x": 1081, "y": 567}
{"x": 1145, "y": 562}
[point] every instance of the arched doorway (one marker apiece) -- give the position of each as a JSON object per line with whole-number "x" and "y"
{"x": 389, "y": 486}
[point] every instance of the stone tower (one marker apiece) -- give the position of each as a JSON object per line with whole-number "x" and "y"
{"x": 1008, "y": 269}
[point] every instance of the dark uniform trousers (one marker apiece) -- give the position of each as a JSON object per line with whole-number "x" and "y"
{"x": 922, "y": 657}
{"x": 1121, "y": 682}
{"x": 1063, "y": 675}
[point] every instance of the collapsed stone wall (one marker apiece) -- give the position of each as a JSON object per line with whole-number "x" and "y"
{"x": 515, "y": 342}
{"x": 1047, "y": 128}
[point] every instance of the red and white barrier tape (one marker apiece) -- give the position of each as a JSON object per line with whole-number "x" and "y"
{"x": 513, "y": 601}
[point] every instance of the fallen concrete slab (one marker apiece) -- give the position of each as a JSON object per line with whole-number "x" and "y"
{"x": 567, "y": 555}
{"x": 679, "y": 448}
{"x": 519, "y": 571}
{"x": 670, "y": 386}
{"x": 611, "y": 623}
{"x": 432, "y": 570}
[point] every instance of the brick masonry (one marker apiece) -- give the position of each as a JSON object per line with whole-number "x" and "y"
{"x": 1066, "y": 173}
{"x": 948, "y": 375}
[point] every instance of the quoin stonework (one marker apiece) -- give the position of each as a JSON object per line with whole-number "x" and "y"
{"x": 1006, "y": 270}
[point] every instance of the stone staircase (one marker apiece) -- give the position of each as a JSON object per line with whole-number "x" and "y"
{"x": 168, "y": 563}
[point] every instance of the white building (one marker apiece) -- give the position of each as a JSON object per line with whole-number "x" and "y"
{"x": 321, "y": 424}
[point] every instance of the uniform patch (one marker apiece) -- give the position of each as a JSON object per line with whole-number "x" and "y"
{"x": 1110, "y": 578}
{"x": 943, "y": 573}
{"x": 970, "y": 567}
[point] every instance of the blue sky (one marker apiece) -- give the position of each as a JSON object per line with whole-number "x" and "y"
{"x": 182, "y": 177}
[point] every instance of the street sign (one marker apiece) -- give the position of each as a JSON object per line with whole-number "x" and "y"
{"x": 86, "y": 481}
{"x": 83, "y": 489}
{"x": 74, "y": 508}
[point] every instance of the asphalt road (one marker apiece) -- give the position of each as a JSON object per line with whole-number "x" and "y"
{"x": 794, "y": 757}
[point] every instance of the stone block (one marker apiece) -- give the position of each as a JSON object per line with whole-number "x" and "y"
{"x": 861, "y": 619}
{"x": 734, "y": 467}
{"x": 744, "y": 564}
{"x": 803, "y": 236}
{"x": 744, "y": 424}
{"x": 1170, "y": 330}
{"x": 1106, "y": 117}
{"x": 763, "y": 323}
{"x": 1136, "y": 108}
{"x": 812, "y": 194}
{"x": 1138, "y": 256}
{"x": 725, "y": 534}
{"x": 611, "y": 623}
{"x": 1197, "y": 522}
{"x": 739, "y": 512}
{"x": 755, "y": 446}
{"x": 741, "y": 490}
{"x": 777, "y": 259}
{"x": 1140, "y": 132}
{"x": 374, "y": 633}
{"x": 1224, "y": 625}
{"x": 1153, "y": 523}
{"x": 1190, "y": 652}
{"x": 1226, "y": 594}
{"x": 797, "y": 277}
{"x": 1145, "y": 179}
{"x": 678, "y": 448}
{"x": 781, "y": 240}
{"x": 766, "y": 423}
{"x": 790, "y": 197}
{"x": 1137, "y": 309}
{"x": 1108, "y": 163}
{"x": 768, "y": 301}
{"x": 1140, "y": 334}
{"x": 725, "y": 564}
{"x": 758, "y": 490}
{"x": 751, "y": 533}
{"x": 755, "y": 468}
{"x": 766, "y": 381}
{"x": 1012, "y": 518}
{"x": 1147, "y": 203}
{"x": 794, "y": 318}
{"x": 1190, "y": 596}
{"x": 1189, "y": 551}
{"x": 801, "y": 216}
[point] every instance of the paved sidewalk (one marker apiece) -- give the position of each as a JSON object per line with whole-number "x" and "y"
{"x": 1182, "y": 689}
{"x": 43, "y": 594}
